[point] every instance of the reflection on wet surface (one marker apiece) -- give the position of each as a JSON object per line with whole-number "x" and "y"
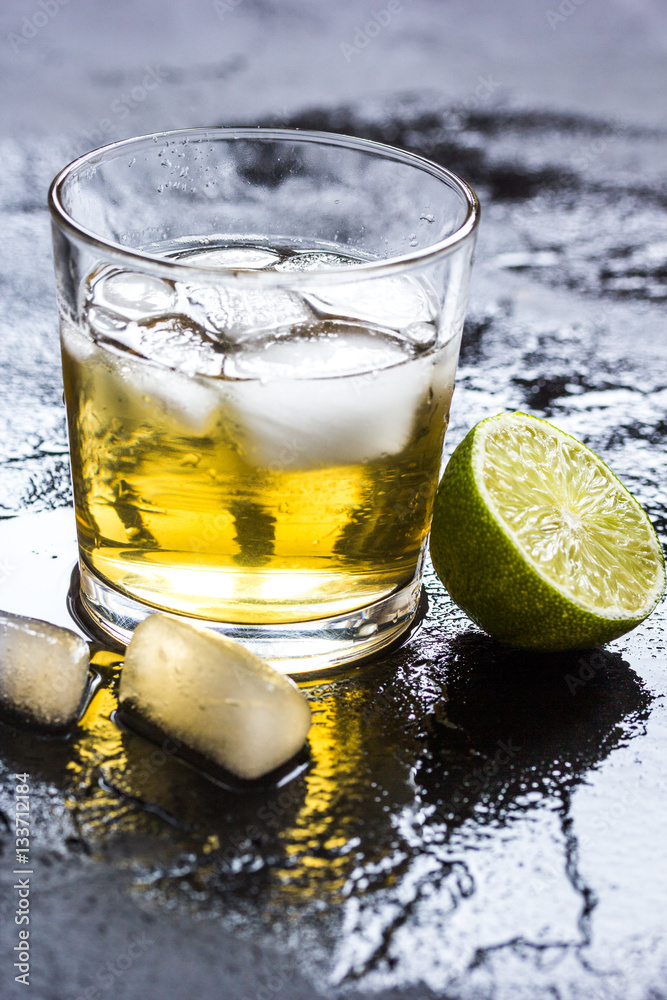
{"x": 413, "y": 766}
{"x": 487, "y": 823}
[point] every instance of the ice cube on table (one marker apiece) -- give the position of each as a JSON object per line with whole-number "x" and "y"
{"x": 43, "y": 670}
{"x": 214, "y": 696}
{"x": 133, "y": 295}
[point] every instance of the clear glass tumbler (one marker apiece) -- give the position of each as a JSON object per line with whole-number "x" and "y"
{"x": 260, "y": 330}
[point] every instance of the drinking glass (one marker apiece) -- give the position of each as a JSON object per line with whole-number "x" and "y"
{"x": 260, "y": 330}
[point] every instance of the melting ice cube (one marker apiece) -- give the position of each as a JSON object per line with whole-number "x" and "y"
{"x": 175, "y": 341}
{"x": 120, "y": 382}
{"x": 179, "y": 343}
{"x": 315, "y": 260}
{"x": 390, "y": 302}
{"x": 233, "y": 258}
{"x": 294, "y": 414}
{"x": 214, "y": 696}
{"x": 133, "y": 295}
{"x": 189, "y": 402}
{"x": 239, "y": 314}
{"x": 43, "y": 670}
{"x": 180, "y": 350}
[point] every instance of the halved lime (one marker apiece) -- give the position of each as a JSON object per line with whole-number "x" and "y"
{"x": 537, "y": 540}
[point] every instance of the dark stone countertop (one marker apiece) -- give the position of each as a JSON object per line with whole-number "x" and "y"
{"x": 477, "y": 824}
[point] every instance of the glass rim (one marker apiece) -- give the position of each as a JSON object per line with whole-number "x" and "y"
{"x": 441, "y": 248}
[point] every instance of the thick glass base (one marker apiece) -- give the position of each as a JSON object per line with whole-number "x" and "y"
{"x": 314, "y": 647}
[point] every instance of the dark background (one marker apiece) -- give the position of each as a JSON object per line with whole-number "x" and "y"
{"x": 476, "y": 823}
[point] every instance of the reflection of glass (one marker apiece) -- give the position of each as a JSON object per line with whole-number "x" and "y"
{"x": 260, "y": 331}
{"x": 408, "y": 824}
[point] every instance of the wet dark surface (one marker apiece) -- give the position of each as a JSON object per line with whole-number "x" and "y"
{"x": 474, "y": 823}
